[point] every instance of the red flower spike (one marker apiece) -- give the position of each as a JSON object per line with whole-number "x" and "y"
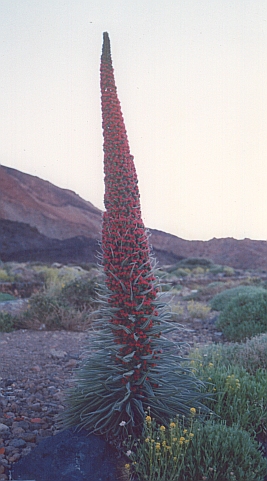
{"x": 125, "y": 245}
{"x": 128, "y": 367}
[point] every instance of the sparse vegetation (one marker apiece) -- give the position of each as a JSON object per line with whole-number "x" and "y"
{"x": 7, "y": 322}
{"x": 197, "y": 309}
{"x": 244, "y": 314}
{"x": 222, "y": 300}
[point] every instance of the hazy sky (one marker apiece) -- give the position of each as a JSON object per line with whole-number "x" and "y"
{"x": 191, "y": 77}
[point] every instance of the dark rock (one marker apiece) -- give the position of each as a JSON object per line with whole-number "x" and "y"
{"x": 18, "y": 443}
{"x": 69, "y": 456}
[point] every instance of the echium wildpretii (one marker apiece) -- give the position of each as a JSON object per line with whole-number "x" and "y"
{"x": 130, "y": 364}
{"x": 126, "y": 260}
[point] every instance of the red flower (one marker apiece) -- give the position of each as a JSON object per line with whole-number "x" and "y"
{"x": 125, "y": 244}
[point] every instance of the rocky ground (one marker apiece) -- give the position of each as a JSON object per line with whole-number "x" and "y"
{"x": 36, "y": 369}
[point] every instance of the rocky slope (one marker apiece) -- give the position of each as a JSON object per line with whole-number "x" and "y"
{"x": 39, "y": 221}
{"x": 56, "y": 213}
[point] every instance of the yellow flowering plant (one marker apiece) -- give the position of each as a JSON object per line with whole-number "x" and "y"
{"x": 160, "y": 452}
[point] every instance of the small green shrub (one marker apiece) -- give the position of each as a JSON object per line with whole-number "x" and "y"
{"x": 239, "y": 397}
{"x": 194, "y": 262}
{"x": 44, "y": 309}
{"x": 216, "y": 269}
{"x": 251, "y": 355}
{"x": 199, "y": 271}
{"x": 221, "y": 453}
{"x": 181, "y": 272}
{"x": 214, "y": 288}
{"x": 197, "y": 310}
{"x": 228, "y": 271}
{"x": 209, "y": 451}
{"x": 244, "y": 316}
{"x": 178, "y": 311}
{"x": 7, "y": 322}
{"x": 160, "y": 454}
{"x": 52, "y": 313}
{"x": 4, "y": 277}
{"x": 6, "y": 297}
{"x": 221, "y": 300}
{"x": 80, "y": 293}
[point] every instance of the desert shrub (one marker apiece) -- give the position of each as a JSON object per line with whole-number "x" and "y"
{"x": 160, "y": 453}
{"x": 238, "y": 397}
{"x": 7, "y": 322}
{"x": 44, "y": 309}
{"x": 251, "y": 355}
{"x": 194, "y": 262}
{"x": 80, "y": 293}
{"x": 209, "y": 451}
{"x": 216, "y": 269}
{"x": 55, "y": 278}
{"x": 178, "y": 311}
{"x": 205, "y": 293}
{"x": 198, "y": 271}
{"x": 219, "y": 452}
{"x": 198, "y": 310}
{"x": 221, "y": 300}
{"x": 6, "y": 297}
{"x": 245, "y": 315}
{"x": 4, "y": 277}
{"x": 52, "y": 313}
{"x": 228, "y": 271}
{"x": 181, "y": 272}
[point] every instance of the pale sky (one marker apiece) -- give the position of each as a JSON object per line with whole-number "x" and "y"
{"x": 192, "y": 82}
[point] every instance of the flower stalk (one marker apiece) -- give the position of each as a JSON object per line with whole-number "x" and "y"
{"x": 131, "y": 364}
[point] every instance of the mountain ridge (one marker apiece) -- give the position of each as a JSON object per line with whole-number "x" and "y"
{"x": 61, "y": 216}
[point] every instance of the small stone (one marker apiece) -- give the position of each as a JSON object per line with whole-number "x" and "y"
{"x": 15, "y": 457}
{"x": 17, "y": 431}
{"x": 11, "y": 450}
{"x": 3, "y": 428}
{"x": 72, "y": 363}
{"x": 36, "y": 368}
{"x": 18, "y": 443}
{"x": 58, "y": 354}
{"x": 29, "y": 437}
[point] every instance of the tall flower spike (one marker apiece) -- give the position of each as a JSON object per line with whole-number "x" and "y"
{"x": 131, "y": 365}
{"x": 125, "y": 246}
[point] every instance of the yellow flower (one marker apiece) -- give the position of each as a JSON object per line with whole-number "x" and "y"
{"x": 148, "y": 419}
{"x": 157, "y": 446}
{"x": 185, "y": 431}
{"x": 162, "y": 428}
{"x": 191, "y": 435}
{"x": 127, "y": 466}
{"x": 147, "y": 440}
{"x": 181, "y": 440}
{"x": 163, "y": 443}
{"x": 175, "y": 458}
{"x": 174, "y": 439}
{"x": 193, "y": 411}
{"x": 172, "y": 425}
{"x": 210, "y": 364}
